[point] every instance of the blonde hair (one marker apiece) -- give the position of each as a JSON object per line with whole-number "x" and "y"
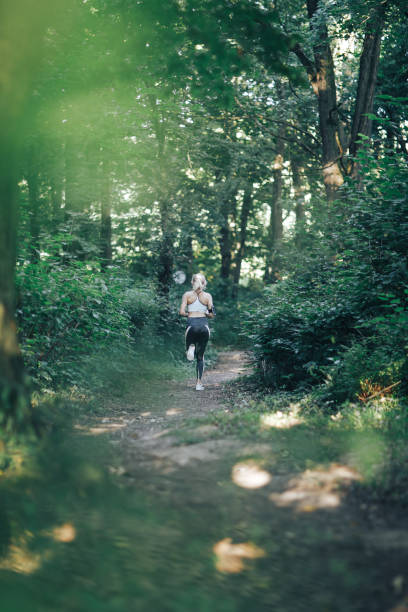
{"x": 198, "y": 281}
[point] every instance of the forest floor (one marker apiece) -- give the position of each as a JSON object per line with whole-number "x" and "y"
{"x": 247, "y": 519}
{"x": 158, "y": 498}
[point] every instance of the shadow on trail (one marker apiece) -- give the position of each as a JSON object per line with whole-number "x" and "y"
{"x": 248, "y": 524}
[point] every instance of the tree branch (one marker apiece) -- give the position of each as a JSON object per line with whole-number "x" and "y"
{"x": 278, "y": 121}
{"x": 305, "y": 61}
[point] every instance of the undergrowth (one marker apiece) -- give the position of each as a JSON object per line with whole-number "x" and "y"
{"x": 339, "y": 317}
{"x": 370, "y": 436}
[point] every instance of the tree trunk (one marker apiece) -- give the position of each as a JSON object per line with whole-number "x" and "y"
{"x": 226, "y": 239}
{"x": 73, "y": 199}
{"x": 165, "y": 268}
{"x": 187, "y": 256}
{"x": 324, "y": 85}
{"x": 166, "y": 249}
{"x": 321, "y": 76}
{"x": 14, "y": 396}
{"x": 20, "y": 21}
{"x": 166, "y": 259}
{"x": 32, "y": 180}
{"x": 298, "y": 192}
{"x": 397, "y": 131}
{"x": 56, "y": 183}
{"x": 56, "y": 200}
{"x": 367, "y": 79}
{"x": 106, "y": 221}
{"x": 225, "y": 249}
{"x": 275, "y": 229}
{"x": 245, "y": 210}
{"x": 76, "y": 201}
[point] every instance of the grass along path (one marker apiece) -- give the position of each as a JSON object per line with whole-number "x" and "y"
{"x": 256, "y": 505}
{"x": 170, "y": 500}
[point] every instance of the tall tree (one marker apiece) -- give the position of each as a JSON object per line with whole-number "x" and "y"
{"x": 367, "y": 80}
{"x": 298, "y": 182}
{"x": 321, "y": 73}
{"x": 275, "y": 228}
{"x": 322, "y": 78}
{"x": 243, "y": 225}
{"x": 34, "y": 203}
{"x": 106, "y": 211}
{"x": 26, "y": 23}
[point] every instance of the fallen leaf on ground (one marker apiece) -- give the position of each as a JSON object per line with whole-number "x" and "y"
{"x": 230, "y": 556}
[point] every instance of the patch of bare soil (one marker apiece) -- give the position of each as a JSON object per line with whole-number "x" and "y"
{"x": 145, "y": 434}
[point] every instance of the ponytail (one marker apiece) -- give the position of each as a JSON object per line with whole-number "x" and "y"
{"x": 198, "y": 282}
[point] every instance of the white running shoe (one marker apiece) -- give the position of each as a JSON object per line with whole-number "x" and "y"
{"x": 199, "y": 387}
{"x": 190, "y": 352}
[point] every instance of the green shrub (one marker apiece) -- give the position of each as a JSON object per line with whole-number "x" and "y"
{"x": 68, "y": 311}
{"x": 294, "y": 335}
{"x": 142, "y": 305}
{"x": 365, "y": 369}
{"x": 376, "y": 363}
{"x": 340, "y": 315}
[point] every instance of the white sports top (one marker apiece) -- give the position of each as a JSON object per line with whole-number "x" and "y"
{"x": 196, "y": 306}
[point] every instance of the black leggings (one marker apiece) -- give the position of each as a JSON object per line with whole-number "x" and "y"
{"x": 198, "y": 333}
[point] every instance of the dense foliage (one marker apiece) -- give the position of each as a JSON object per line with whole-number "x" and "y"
{"x": 340, "y": 318}
{"x": 262, "y": 144}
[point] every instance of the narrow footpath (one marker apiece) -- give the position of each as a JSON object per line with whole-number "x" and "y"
{"x": 251, "y": 523}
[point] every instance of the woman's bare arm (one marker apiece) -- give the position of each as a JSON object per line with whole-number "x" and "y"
{"x": 210, "y": 306}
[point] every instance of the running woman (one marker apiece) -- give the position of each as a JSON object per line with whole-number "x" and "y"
{"x": 199, "y": 306}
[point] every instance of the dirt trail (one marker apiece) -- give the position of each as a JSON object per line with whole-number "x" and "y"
{"x": 148, "y": 434}
{"x": 268, "y": 512}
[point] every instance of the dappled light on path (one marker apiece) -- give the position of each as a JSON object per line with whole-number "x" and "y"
{"x": 316, "y": 489}
{"x": 173, "y": 411}
{"x": 64, "y": 533}
{"x": 279, "y": 419}
{"x": 249, "y": 475}
{"x": 20, "y": 559}
{"x": 208, "y": 489}
{"x": 230, "y": 557}
{"x": 107, "y": 426}
{"x": 210, "y": 450}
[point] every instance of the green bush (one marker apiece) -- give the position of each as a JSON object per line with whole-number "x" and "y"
{"x": 365, "y": 369}
{"x": 142, "y": 305}
{"x": 340, "y": 315}
{"x": 68, "y": 311}
{"x": 293, "y": 337}
{"x": 375, "y": 363}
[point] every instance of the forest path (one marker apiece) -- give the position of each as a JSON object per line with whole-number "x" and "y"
{"x": 263, "y": 508}
{"x": 149, "y": 435}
